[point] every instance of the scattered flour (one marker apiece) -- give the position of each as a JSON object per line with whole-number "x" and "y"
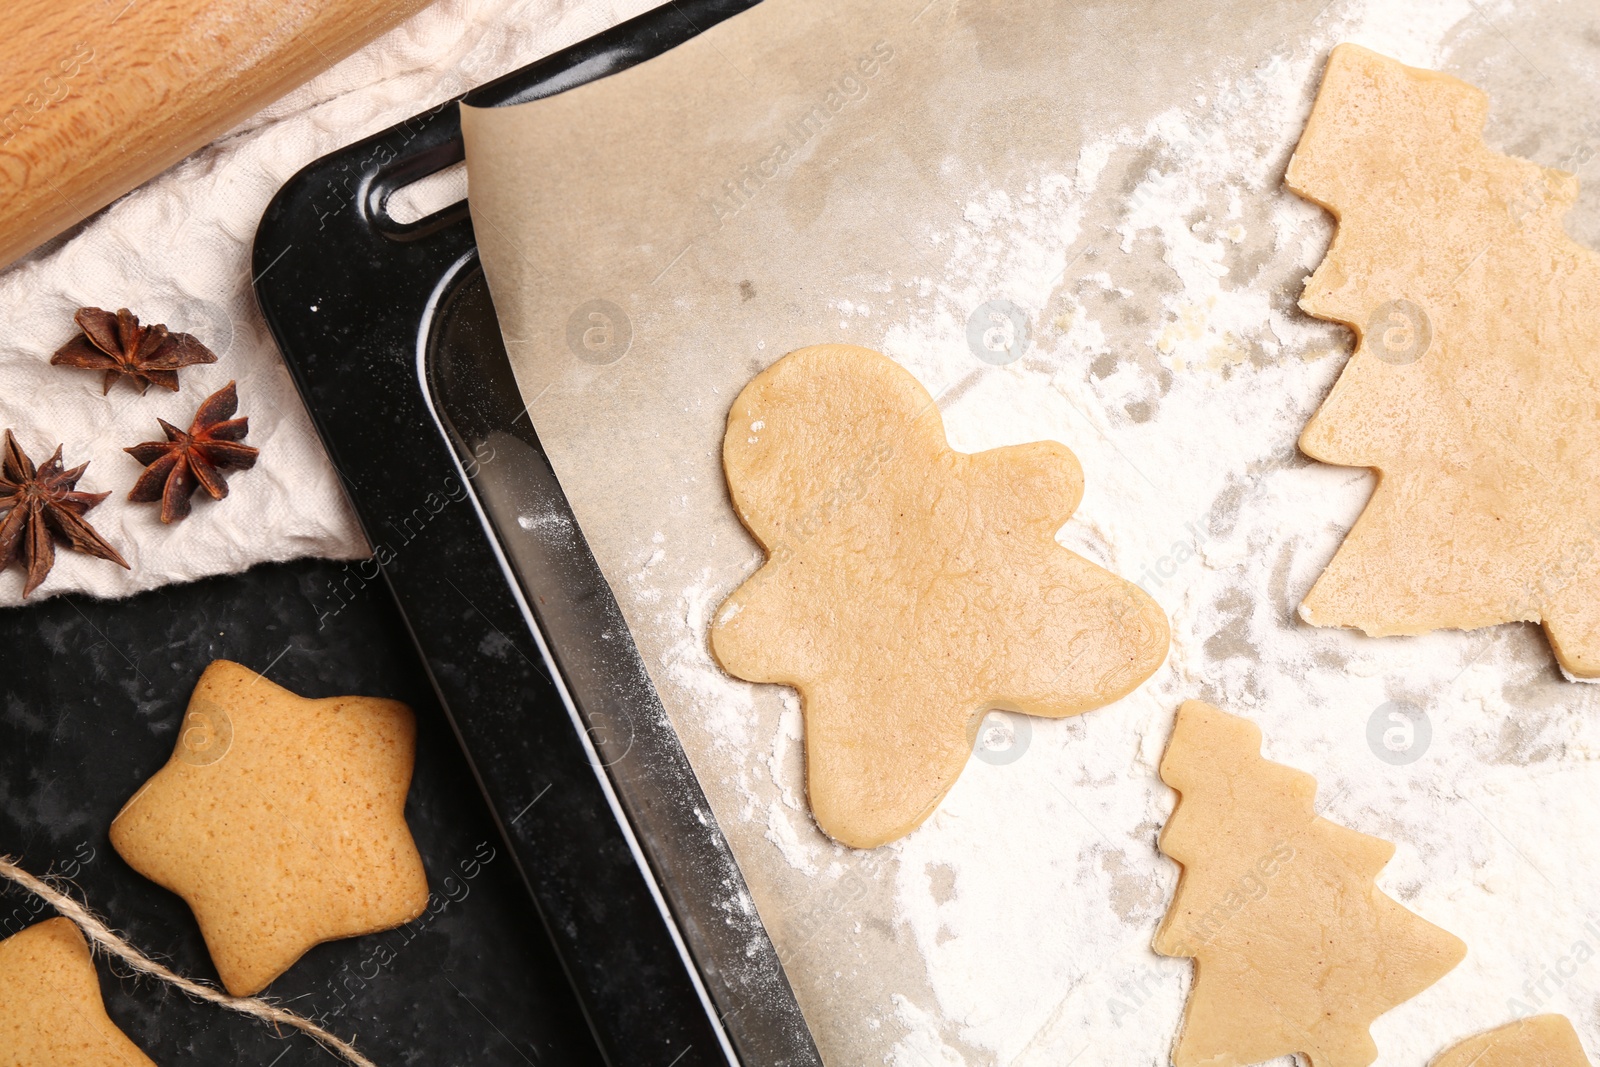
{"x": 1167, "y": 352}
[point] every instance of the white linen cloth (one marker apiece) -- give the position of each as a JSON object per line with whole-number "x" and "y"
{"x": 177, "y": 251}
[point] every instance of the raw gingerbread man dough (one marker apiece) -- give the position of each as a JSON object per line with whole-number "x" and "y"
{"x": 51, "y": 1013}
{"x": 1475, "y": 389}
{"x": 1295, "y": 948}
{"x": 910, "y": 587}
{"x": 1537, "y": 1041}
{"x": 280, "y": 821}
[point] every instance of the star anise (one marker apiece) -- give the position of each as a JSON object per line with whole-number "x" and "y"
{"x": 174, "y": 468}
{"x": 44, "y": 506}
{"x": 118, "y": 345}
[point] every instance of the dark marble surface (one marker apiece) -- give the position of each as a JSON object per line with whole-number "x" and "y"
{"x": 91, "y": 694}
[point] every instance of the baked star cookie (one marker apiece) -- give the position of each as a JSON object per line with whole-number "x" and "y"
{"x": 1295, "y": 948}
{"x": 280, "y": 821}
{"x": 909, "y": 587}
{"x": 1474, "y": 391}
{"x": 1537, "y": 1041}
{"x": 51, "y": 1014}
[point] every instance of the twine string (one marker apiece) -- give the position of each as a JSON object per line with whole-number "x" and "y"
{"x": 103, "y": 937}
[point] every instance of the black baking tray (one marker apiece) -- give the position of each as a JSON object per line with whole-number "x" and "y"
{"x": 390, "y": 334}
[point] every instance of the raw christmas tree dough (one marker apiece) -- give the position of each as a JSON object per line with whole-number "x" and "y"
{"x": 280, "y": 821}
{"x": 1475, "y": 389}
{"x": 1538, "y": 1041}
{"x": 909, "y": 587}
{"x": 1295, "y": 948}
{"x": 51, "y": 1014}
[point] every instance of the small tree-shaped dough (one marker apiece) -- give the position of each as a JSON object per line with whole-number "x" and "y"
{"x": 51, "y": 1013}
{"x": 910, "y": 587}
{"x": 1537, "y": 1041}
{"x": 1474, "y": 391}
{"x": 1295, "y": 948}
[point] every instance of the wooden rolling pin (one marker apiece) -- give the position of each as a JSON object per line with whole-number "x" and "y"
{"x": 97, "y": 96}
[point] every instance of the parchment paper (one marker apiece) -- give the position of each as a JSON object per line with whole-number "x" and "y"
{"x": 837, "y": 171}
